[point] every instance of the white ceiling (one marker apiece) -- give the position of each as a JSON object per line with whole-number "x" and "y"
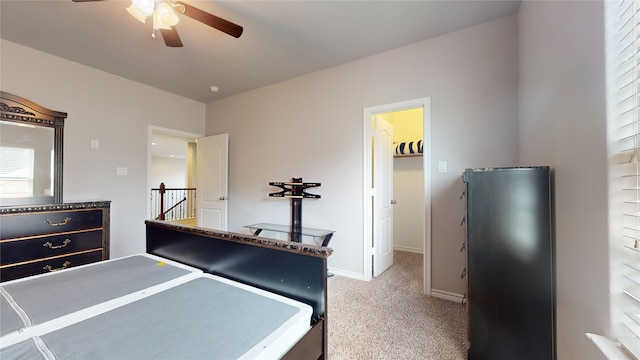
{"x": 281, "y": 39}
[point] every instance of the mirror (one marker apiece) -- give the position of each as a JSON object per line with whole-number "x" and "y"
{"x": 30, "y": 152}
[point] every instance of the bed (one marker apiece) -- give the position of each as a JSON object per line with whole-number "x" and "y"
{"x": 194, "y": 294}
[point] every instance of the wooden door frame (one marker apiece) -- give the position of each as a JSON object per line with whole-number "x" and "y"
{"x": 368, "y": 134}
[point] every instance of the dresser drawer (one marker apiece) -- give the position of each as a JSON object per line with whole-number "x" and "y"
{"x": 48, "y": 265}
{"x": 41, "y": 223}
{"x": 21, "y": 250}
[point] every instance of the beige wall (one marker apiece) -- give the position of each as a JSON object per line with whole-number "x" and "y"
{"x": 563, "y": 124}
{"x": 113, "y": 110}
{"x": 311, "y": 127}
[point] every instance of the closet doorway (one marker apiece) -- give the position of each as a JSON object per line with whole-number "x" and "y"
{"x": 408, "y": 178}
{"x": 412, "y": 196}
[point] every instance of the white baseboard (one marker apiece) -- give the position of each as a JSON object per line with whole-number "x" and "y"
{"x": 349, "y": 274}
{"x": 408, "y": 249}
{"x": 447, "y": 295}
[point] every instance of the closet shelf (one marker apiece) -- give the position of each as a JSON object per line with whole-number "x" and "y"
{"x": 406, "y": 156}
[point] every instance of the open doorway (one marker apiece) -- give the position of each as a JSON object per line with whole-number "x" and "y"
{"x": 172, "y": 160}
{"x": 370, "y": 191}
{"x": 408, "y": 178}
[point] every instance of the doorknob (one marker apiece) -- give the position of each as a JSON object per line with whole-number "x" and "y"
{"x": 393, "y": 202}
{"x": 223, "y": 198}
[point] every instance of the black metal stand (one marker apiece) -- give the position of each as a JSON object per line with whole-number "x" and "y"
{"x": 296, "y": 191}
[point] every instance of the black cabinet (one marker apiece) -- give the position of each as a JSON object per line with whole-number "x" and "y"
{"x": 37, "y": 239}
{"x": 511, "y": 294}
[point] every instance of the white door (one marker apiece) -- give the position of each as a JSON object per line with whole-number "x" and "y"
{"x": 213, "y": 167}
{"x": 383, "y": 196}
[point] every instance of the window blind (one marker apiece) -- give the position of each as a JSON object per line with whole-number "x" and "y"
{"x": 623, "y": 92}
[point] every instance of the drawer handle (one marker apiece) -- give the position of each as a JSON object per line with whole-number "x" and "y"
{"x": 64, "y": 222}
{"x": 51, "y": 246}
{"x": 50, "y": 269}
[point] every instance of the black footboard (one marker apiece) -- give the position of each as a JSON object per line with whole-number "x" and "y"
{"x": 295, "y": 270}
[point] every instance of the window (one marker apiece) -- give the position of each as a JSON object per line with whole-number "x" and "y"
{"x": 16, "y": 172}
{"x": 623, "y": 126}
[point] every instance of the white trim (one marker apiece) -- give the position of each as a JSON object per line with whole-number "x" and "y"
{"x": 408, "y": 249}
{"x": 156, "y": 129}
{"x": 445, "y": 295}
{"x": 348, "y": 274}
{"x": 367, "y": 232}
{"x": 367, "y": 134}
{"x": 611, "y": 349}
{"x": 426, "y": 143}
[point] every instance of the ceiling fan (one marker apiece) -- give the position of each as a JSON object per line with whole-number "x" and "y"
{"x": 164, "y": 17}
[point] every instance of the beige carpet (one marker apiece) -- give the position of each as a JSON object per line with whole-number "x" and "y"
{"x": 390, "y": 317}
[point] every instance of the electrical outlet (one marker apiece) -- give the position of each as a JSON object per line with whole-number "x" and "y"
{"x": 121, "y": 171}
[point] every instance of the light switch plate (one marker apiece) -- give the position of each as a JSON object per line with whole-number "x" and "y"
{"x": 121, "y": 171}
{"x": 442, "y": 167}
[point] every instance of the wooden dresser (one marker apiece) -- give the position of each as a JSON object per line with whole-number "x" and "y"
{"x": 36, "y": 239}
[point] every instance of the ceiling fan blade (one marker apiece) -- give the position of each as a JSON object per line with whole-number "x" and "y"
{"x": 171, "y": 37}
{"x": 211, "y": 20}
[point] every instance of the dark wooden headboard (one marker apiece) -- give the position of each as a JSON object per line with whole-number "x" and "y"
{"x": 295, "y": 270}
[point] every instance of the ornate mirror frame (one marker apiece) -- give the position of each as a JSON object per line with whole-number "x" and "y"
{"x": 16, "y": 109}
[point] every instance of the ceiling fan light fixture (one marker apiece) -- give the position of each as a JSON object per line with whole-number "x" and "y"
{"x": 145, "y": 6}
{"x": 139, "y": 15}
{"x": 164, "y": 17}
{"x": 141, "y": 9}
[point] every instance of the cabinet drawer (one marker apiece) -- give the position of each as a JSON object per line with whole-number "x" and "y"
{"x": 47, "y": 246}
{"x": 23, "y": 225}
{"x": 49, "y": 265}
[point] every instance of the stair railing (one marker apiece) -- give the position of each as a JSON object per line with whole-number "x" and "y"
{"x": 180, "y": 203}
